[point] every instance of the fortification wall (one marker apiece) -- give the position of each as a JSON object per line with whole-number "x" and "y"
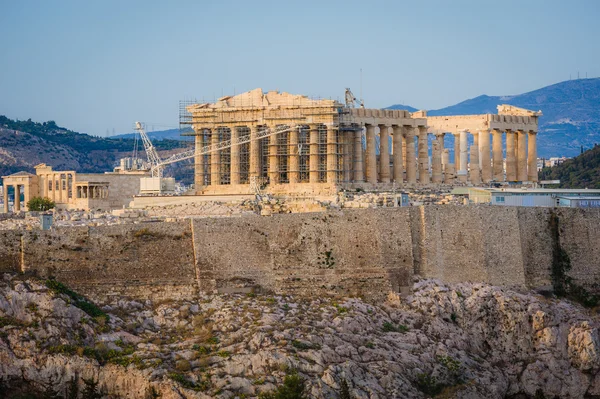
{"x": 355, "y": 252}
{"x": 351, "y": 253}
{"x": 118, "y": 257}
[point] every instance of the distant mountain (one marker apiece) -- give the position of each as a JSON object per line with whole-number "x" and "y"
{"x": 571, "y": 114}
{"x": 24, "y": 144}
{"x": 170, "y": 134}
{"x": 583, "y": 171}
{"x": 402, "y": 106}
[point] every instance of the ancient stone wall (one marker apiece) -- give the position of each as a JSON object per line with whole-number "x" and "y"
{"x": 356, "y": 252}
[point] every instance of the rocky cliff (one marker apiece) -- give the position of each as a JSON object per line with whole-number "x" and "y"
{"x": 459, "y": 340}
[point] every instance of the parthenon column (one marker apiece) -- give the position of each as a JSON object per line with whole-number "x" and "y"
{"x": 522, "y": 156}
{"x": 423, "y": 156}
{"x": 436, "y": 158}
{"x": 27, "y": 195}
{"x": 448, "y": 168}
{"x": 359, "y": 176}
{"x": 511, "y": 167}
{"x": 332, "y": 156}
{"x": 384, "y": 153}
{"x": 294, "y": 158}
{"x": 371, "y": 155}
{"x": 314, "y": 154}
{"x": 456, "y": 151}
{"x": 254, "y": 153}
{"x": 215, "y": 159}
{"x": 234, "y": 166}
{"x": 198, "y": 161}
{"x": 497, "y": 154}
{"x": 411, "y": 167}
{"x": 273, "y": 159}
{"x": 17, "y": 201}
{"x": 474, "y": 175}
{"x": 484, "y": 155}
{"x": 347, "y": 140}
{"x": 5, "y": 197}
{"x": 462, "y": 172}
{"x": 532, "y": 174}
{"x": 397, "y": 151}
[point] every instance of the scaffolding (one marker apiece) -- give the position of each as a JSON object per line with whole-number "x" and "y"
{"x": 304, "y": 153}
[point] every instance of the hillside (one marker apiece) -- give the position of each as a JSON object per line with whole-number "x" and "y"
{"x": 571, "y": 114}
{"x": 24, "y": 144}
{"x": 582, "y": 171}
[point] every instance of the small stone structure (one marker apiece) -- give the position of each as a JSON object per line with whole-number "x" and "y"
{"x": 324, "y": 146}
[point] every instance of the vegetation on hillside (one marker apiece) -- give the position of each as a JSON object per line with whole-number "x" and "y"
{"x": 78, "y": 141}
{"x": 582, "y": 171}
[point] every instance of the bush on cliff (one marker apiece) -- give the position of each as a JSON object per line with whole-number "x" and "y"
{"x": 78, "y": 300}
{"x": 292, "y": 388}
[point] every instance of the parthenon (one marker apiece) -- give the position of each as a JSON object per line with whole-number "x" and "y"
{"x": 323, "y": 146}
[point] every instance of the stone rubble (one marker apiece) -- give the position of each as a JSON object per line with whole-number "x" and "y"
{"x": 462, "y": 341}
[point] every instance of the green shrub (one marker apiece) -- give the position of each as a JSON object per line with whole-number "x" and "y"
{"x": 38, "y": 204}
{"x": 292, "y": 388}
{"x": 78, "y": 300}
{"x": 390, "y": 327}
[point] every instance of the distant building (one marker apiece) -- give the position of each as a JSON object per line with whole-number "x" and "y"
{"x": 534, "y": 197}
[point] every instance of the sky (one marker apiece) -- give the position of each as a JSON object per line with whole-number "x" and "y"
{"x": 99, "y": 66}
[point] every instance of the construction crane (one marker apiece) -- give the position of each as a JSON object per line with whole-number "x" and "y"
{"x": 153, "y": 158}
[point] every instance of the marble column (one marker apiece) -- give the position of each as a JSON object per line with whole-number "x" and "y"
{"x": 314, "y": 154}
{"x": 332, "y": 156}
{"x": 44, "y": 180}
{"x": 497, "y": 155}
{"x": 462, "y": 171}
{"x": 445, "y": 165}
{"x": 484, "y": 155}
{"x": 199, "y": 161}
{"x": 456, "y": 150}
{"x": 234, "y": 162}
{"x": 274, "y": 177}
{"x": 27, "y": 195}
{"x": 411, "y": 167}
{"x": 532, "y": 173}
{"x": 254, "y": 152}
{"x": 423, "y": 156}
{"x": 54, "y": 198}
{"x": 511, "y": 167}
{"x": 215, "y": 159}
{"x": 5, "y": 197}
{"x": 294, "y": 158}
{"x": 397, "y": 151}
{"x": 359, "y": 176}
{"x": 17, "y": 201}
{"x": 474, "y": 174}
{"x": 347, "y": 140}
{"x": 436, "y": 158}
{"x": 384, "y": 153}
{"x": 522, "y": 155}
{"x": 371, "y": 155}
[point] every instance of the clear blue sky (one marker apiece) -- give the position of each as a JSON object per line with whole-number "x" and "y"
{"x": 98, "y": 65}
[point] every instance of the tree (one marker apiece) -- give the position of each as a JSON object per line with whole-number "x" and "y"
{"x": 292, "y": 388}
{"x": 40, "y": 204}
{"x": 344, "y": 390}
{"x": 91, "y": 390}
